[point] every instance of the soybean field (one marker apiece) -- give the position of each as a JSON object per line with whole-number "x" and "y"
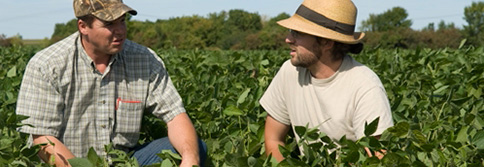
{"x": 436, "y": 98}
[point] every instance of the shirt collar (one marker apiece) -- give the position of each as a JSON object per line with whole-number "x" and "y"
{"x": 343, "y": 67}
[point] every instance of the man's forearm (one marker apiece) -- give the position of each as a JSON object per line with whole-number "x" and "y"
{"x": 183, "y": 137}
{"x": 54, "y": 152}
{"x": 274, "y": 135}
{"x": 272, "y": 148}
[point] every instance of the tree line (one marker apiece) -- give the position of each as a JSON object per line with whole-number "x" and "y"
{"x": 241, "y": 30}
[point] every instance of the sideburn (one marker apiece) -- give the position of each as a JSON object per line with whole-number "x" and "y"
{"x": 88, "y": 19}
{"x": 317, "y": 47}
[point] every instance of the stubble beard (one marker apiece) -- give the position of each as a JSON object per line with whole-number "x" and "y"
{"x": 307, "y": 59}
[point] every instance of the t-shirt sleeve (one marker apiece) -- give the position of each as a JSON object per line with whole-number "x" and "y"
{"x": 40, "y": 100}
{"x": 273, "y": 100}
{"x": 372, "y": 104}
{"x": 163, "y": 98}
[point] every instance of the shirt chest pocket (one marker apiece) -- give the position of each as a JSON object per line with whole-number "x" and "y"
{"x": 128, "y": 116}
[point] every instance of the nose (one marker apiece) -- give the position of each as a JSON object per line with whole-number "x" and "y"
{"x": 290, "y": 39}
{"x": 120, "y": 28}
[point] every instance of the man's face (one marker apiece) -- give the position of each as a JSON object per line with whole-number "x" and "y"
{"x": 305, "y": 50}
{"x": 106, "y": 38}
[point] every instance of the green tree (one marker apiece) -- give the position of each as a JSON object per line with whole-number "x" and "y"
{"x": 216, "y": 31}
{"x": 474, "y": 15}
{"x": 239, "y": 26}
{"x": 392, "y": 19}
{"x": 443, "y": 25}
{"x": 146, "y": 33}
{"x": 244, "y": 21}
{"x": 272, "y": 35}
{"x": 185, "y": 32}
{"x": 11, "y": 41}
{"x": 62, "y": 30}
{"x": 3, "y": 40}
{"x": 430, "y": 27}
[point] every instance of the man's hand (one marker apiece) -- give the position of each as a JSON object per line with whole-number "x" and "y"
{"x": 57, "y": 151}
{"x": 378, "y": 154}
{"x": 183, "y": 137}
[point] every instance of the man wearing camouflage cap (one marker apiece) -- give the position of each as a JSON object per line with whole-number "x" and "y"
{"x": 92, "y": 88}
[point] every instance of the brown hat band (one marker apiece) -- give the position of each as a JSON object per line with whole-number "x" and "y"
{"x": 322, "y": 20}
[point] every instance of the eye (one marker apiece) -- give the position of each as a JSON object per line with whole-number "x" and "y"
{"x": 294, "y": 33}
{"x": 108, "y": 24}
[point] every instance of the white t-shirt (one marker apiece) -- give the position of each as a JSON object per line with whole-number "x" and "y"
{"x": 338, "y": 106}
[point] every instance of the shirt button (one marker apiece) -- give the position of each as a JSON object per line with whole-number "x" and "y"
{"x": 103, "y": 126}
{"x": 103, "y": 102}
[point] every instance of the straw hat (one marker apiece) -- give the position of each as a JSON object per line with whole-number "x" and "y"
{"x": 331, "y": 19}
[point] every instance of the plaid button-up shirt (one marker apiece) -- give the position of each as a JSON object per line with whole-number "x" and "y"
{"x": 66, "y": 97}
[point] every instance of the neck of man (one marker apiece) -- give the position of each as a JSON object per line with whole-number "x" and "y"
{"x": 325, "y": 67}
{"x": 99, "y": 59}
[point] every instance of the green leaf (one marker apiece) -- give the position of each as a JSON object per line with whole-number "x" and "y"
{"x": 264, "y": 62}
{"x": 284, "y": 151}
{"x": 18, "y": 163}
{"x": 11, "y": 119}
{"x": 440, "y": 89}
{"x": 401, "y": 129}
{"x": 374, "y": 142}
{"x": 353, "y": 156}
{"x": 228, "y": 147}
{"x": 300, "y": 130}
{"x": 5, "y": 144}
{"x": 427, "y": 147}
{"x": 166, "y": 163}
{"x": 469, "y": 118}
{"x": 92, "y": 156}
{"x": 233, "y": 111}
{"x": 12, "y": 72}
{"x": 462, "y": 135}
{"x": 419, "y": 136}
{"x": 243, "y": 96}
{"x": 80, "y": 162}
{"x": 478, "y": 140}
{"x": 460, "y": 101}
{"x": 475, "y": 92}
{"x": 371, "y": 128}
{"x": 462, "y": 43}
{"x": 171, "y": 153}
{"x": 251, "y": 161}
{"x": 273, "y": 161}
{"x": 293, "y": 162}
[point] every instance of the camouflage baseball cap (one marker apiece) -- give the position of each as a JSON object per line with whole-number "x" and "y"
{"x": 107, "y": 10}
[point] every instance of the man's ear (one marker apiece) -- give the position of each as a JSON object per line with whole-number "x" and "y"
{"x": 329, "y": 44}
{"x": 82, "y": 26}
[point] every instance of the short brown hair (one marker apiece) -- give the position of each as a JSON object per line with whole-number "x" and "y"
{"x": 339, "y": 49}
{"x": 342, "y": 49}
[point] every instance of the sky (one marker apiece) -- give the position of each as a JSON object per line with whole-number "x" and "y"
{"x": 35, "y": 19}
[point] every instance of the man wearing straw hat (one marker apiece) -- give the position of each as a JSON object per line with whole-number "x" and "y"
{"x": 321, "y": 85}
{"x": 92, "y": 88}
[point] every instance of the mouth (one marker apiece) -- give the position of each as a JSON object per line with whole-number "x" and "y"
{"x": 118, "y": 41}
{"x": 293, "y": 52}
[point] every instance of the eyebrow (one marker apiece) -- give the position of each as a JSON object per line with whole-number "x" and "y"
{"x": 109, "y": 22}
